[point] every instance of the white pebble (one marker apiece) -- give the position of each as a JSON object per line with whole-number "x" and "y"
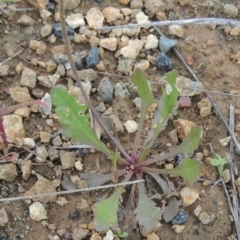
{"x": 131, "y": 126}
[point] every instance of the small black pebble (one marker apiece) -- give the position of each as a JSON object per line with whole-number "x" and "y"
{"x": 163, "y": 62}
{"x": 179, "y": 159}
{"x": 156, "y": 144}
{"x": 74, "y": 215}
{"x": 180, "y": 218}
{"x": 92, "y": 58}
{"x": 57, "y": 30}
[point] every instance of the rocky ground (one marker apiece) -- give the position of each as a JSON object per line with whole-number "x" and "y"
{"x": 45, "y": 161}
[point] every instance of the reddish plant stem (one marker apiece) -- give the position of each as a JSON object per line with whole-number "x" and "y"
{"x": 74, "y": 70}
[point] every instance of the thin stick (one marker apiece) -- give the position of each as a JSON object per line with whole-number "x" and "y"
{"x": 71, "y": 191}
{"x": 68, "y": 49}
{"x": 14, "y": 55}
{"x": 195, "y": 21}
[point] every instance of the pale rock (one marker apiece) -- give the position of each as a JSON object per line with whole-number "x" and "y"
{"x": 226, "y": 175}
{"x": 94, "y": 41}
{"x": 131, "y": 126}
{"x": 23, "y": 112}
{"x": 152, "y": 42}
{"x": 86, "y": 31}
{"x": 29, "y": 142}
{"x": 20, "y": 94}
{"x": 95, "y": 18}
{"x": 29, "y": 78}
{"x": 19, "y": 68}
{"x": 3, "y": 217}
{"x": 57, "y": 141}
{"x": 46, "y": 30}
{"x": 198, "y": 156}
{"x": 178, "y": 228}
{"x": 48, "y": 81}
{"x": 124, "y": 2}
{"x": 8, "y": 172}
{"x": 130, "y": 32}
{"x": 26, "y": 169}
{"x": 14, "y": 128}
{"x": 8, "y": 49}
{"x": 61, "y": 201}
{"x": 176, "y": 30}
{"x": 44, "y": 13}
{"x": 101, "y": 107}
{"x": 197, "y": 210}
{"x": 75, "y": 20}
{"x": 41, "y": 153}
{"x": 183, "y": 2}
{"x": 120, "y": 91}
{"x": 51, "y": 66}
{"x": 100, "y": 66}
{"x": 187, "y": 86}
{"x": 67, "y": 159}
{"x": 109, "y": 43}
{"x": 230, "y": 10}
{"x": 79, "y": 38}
{"x": 78, "y": 165}
{"x": 138, "y": 103}
{"x": 83, "y": 205}
{"x": 112, "y": 14}
{"x": 133, "y": 49}
{"x": 48, "y": 101}
{"x": 236, "y": 57}
{"x": 44, "y": 186}
{"x": 153, "y": 236}
{"x": 37, "y": 211}
{"x": 136, "y": 4}
{"x": 117, "y": 32}
{"x": 141, "y": 18}
{"x": 86, "y": 75}
{"x": 143, "y": 64}
{"x": 60, "y": 70}
{"x": 235, "y": 32}
{"x": 161, "y": 16}
{"x": 117, "y": 123}
{"x": 70, "y": 5}
{"x": 34, "y": 44}
{"x": 126, "y": 11}
{"x": 79, "y": 233}
{"x": 96, "y": 236}
{"x": 205, "y": 218}
{"x": 4, "y": 69}
{"x": 52, "y": 39}
{"x": 189, "y": 195}
{"x": 109, "y": 235}
{"x": 225, "y": 141}
{"x": 183, "y": 127}
{"x": 205, "y": 107}
{"x": 125, "y": 66}
{"x": 45, "y": 137}
{"x": 25, "y": 20}
{"x": 173, "y": 136}
{"x": 41, "y": 49}
{"x": 53, "y": 153}
{"x": 78, "y": 182}
{"x": 144, "y": 232}
{"x": 154, "y": 6}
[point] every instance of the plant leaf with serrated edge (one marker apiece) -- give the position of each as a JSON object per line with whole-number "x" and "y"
{"x": 139, "y": 79}
{"x": 74, "y": 120}
{"x": 105, "y": 211}
{"x": 189, "y": 169}
{"x": 166, "y": 104}
{"x": 146, "y": 212}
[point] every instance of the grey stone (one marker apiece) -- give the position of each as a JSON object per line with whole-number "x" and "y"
{"x": 53, "y": 153}
{"x": 92, "y": 58}
{"x": 163, "y": 62}
{"x": 60, "y": 58}
{"x": 41, "y": 153}
{"x": 29, "y": 78}
{"x": 79, "y": 233}
{"x": 25, "y": 20}
{"x": 154, "y": 6}
{"x": 3, "y": 217}
{"x": 37, "y": 92}
{"x": 180, "y": 218}
{"x": 165, "y": 44}
{"x": 48, "y": 101}
{"x": 67, "y": 159}
{"x": 125, "y": 65}
{"x": 8, "y": 172}
{"x": 94, "y": 18}
{"x": 57, "y": 30}
{"x": 105, "y": 90}
{"x": 136, "y": 4}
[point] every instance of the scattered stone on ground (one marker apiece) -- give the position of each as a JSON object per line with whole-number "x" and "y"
{"x": 79, "y": 233}
{"x": 176, "y": 30}
{"x": 112, "y": 14}
{"x": 3, "y": 217}
{"x": 197, "y": 210}
{"x": 153, "y": 236}
{"x": 183, "y": 127}
{"x": 226, "y": 175}
{"x": 163, "y": 62}
{"x": 8, "y": 172}
{"x": 180, "y": 218}
{"x": 37, "y": 211}
{"x": 189, "y": 195}
{"x": 205, "y": 107}
{"x": 67, "y": 159}
{"x": 105, "y": 90}
{"x": 133, "y": 49}
{"x": 92, "y": 58}
{"x": 205, "y": 218}
{"x": 57, "y": 30}
{"x": 25, "y": 20}
{"x": 230, "y": 10}
{"x": 225, "y": 141}
{"x": 75, "y": 20}
{"x": 131, "y": 126}
{"x": 165, "y": 44}
{"x": 19, "y": 94}
{"x": 4, "y": 69}
{"x": 178, "y": 228}
{"x": 151, "y": 42}
{"x": 26, "y": 169}
{"x": 94, "y": 18}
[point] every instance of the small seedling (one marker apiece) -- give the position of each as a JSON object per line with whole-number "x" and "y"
{"x": 120, "y": 234}
{"x": 219, "y": 162}
{"x": 75, "y": 123}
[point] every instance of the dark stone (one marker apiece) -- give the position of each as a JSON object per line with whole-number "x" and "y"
{"x": 57, "y": 30}
{"x": 38, "y": 93}
{"x": 98, "y": 1}
{"x": 92, "y": 58}
{"x": 179, "y": 159}
{"x": 105, "y": 90}
{"x": 180, "y": 218}
{"x": 163, "y": 62}
{"x": 156, "y": 144}
{"x": 74, "y": 215}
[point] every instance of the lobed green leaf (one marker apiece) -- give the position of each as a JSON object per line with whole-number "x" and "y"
{"x": 74, "y": 120}
{"x": 105, "y": 211}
